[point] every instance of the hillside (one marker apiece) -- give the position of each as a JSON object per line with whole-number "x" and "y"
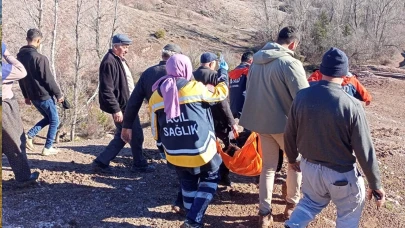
{"x": 195, "y": 29}
{"x": 70, "y": 195}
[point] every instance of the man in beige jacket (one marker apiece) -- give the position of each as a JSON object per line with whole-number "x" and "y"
{"x": 274, "y": 79}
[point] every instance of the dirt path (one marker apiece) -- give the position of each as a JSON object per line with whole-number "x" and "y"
{"x": 70, "y": 195}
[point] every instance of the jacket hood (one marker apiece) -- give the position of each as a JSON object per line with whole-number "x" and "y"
{"x": 271, "y": 51}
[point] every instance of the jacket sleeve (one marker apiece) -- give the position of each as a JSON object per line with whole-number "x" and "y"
{"x": 107, "y": 88}
{"x": 226, "y": 109}
{"x": 361, "y": 90}
{"x": 222, "y": 76}
{"x": 49, "y": 80}
{"x": 219, "y": 93}
{"x": 134, "y": 104}
{"x": 12, "y": 69}
{"x": 295, "y": 77}
{"x": 363, "y": 148}
{"x": 290, "y": 136}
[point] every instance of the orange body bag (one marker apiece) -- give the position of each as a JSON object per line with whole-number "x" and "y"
{"x": 247, "y": 161}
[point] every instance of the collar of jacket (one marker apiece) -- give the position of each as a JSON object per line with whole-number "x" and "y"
{"x": 244, "y": 64}
{"x": 30, "y": 47}
{"x": 163, "y": 62}
{"x": 116, "y": 56}
{"x": 329, "y": 84}
{"x": 205, "y": 67}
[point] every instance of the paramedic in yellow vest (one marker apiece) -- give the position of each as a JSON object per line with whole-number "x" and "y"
{"x": 181, "y": 116}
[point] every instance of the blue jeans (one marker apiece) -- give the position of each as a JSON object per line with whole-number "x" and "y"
{"x": 48, "y": 110}
{"x": 116, "y": 145}
{"x": 198, "y": 191}
{"x": 320, "y": 187}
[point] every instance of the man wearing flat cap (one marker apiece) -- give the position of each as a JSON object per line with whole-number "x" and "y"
{"x": 337, "y": 121}
{"x": 116, "y": 84}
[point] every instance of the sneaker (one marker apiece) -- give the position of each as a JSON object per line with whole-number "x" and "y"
{"x": 265, "y": 221}
{"x": 99, "y": 167}
{"x": 32, "y": 180}
{"x": 143, "y": 169}
{"x": 190, "y": 224}
{"x": 29, "y": 144}
{"x": 50, "y": 151}
{"x": 289, "y": 208}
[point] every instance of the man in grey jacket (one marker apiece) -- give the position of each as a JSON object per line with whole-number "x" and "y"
{"x": 274, "y": 79}
{"x": 327, "y": 124}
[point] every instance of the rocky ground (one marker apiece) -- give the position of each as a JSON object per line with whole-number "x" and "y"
{"x": 69, "y": 194}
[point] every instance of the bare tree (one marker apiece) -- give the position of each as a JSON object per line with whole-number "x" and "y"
{"x": 114, "y": 27}
{"x": 99, "y": 49}
{"x": 98, "y": 29}
{"x": 55, "y": 26}
{"x": 77, "y": 78}
{"x": 36, "y": 17}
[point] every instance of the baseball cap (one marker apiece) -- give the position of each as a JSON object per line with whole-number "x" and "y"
{"x": 121, "y": 39}
{"x": 208, "y": 57}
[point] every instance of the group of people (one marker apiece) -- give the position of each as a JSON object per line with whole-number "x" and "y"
{"x": 321, "y": 128}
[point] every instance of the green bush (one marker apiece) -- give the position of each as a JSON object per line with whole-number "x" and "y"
{"x": 320, "y": 30}
{"x": 160, "y": 34}
{"x": 347, "y": 31}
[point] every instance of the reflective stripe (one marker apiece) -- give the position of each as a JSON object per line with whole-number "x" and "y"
{"x": 192, "y": 161}
{"x": 204, "y": 195}
{"x": 209, "y": 185}
{"x": 211, "y": 135}
{"x": 187, "y": 205}
{"x": 158, "y": 143}
{"x": 190, "y": 194}
{"x": 153, "y": 125}
{"x": 185, "y": 99}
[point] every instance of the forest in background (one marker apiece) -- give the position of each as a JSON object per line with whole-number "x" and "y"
{"x": 77, "y": 35}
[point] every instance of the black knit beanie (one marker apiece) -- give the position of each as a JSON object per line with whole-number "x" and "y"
{"x": 334, "y": 63}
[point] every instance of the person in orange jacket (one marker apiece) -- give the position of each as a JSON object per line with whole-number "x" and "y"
{"x": 350, "y": 84}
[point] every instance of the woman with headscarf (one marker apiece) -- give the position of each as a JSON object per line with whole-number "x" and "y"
{"x": 180, "y": 115}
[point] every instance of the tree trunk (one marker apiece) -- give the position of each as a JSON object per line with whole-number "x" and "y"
{"x": 115, "y": 20}
{"x": 53, "y": 47}
{"x": 40, "y": 18}
{"x": 98, "y": 26}
{"x": 76, "y": 82}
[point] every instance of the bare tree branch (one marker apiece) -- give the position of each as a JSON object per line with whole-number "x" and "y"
{"x": 55, "y": 26}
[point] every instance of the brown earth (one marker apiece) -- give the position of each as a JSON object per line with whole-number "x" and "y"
{"x": 69, "y": 194}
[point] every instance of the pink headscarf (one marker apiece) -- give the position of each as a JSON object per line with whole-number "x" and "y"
{"x": 177, "y": 66}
